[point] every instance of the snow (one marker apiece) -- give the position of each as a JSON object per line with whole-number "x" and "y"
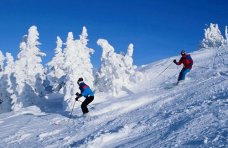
{"x": 213, "y": 37}
{"x": 55, "y": 68}
{"x": 117, "y": 70}
{"x": 28, "y": 73}
{"x": 76, "y": 64}
{"x": 148, "y": 114}
{"x": 133, "y": 107}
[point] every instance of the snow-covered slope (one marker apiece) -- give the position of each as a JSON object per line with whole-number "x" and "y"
{"x": 153, "y": 113}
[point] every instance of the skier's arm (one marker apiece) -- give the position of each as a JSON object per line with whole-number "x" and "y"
{"x": 180, "y": 61}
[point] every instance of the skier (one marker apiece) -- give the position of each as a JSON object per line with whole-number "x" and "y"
{"x": 85, "y": 92}
{"x": 187, "y": 62}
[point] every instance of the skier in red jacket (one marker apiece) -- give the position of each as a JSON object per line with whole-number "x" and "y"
{"x": 187, "y": 61}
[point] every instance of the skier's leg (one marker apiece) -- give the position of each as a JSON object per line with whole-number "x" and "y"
{"x": 180, "y": 77}
{"x": 90, "y": 99}
{"x": 84, "y": 106}
{"x": 85, "y": 103}
{"x": 183, "y": 74}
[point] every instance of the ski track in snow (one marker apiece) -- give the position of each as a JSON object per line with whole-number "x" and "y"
{"x": 192, "y": 114}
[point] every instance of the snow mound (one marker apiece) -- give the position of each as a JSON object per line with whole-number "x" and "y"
{"x": 31, "y": 110}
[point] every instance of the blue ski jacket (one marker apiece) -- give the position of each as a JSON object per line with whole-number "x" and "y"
{"x": 85, "y": 90}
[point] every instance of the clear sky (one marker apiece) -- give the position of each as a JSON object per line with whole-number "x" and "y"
{"x": 157, "y": 28}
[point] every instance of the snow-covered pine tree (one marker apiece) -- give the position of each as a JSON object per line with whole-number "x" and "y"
{"x": 226, "y": 35}
{"x": 134, "y": 75}
{"x": 86, "y": 53}
{"x": 77, "y": 64}
{"x": 84, "y": 36}
{"x": 107, "y": 75}
{"x": 220, "y": 59}
{"x": 2, "y": 81}
{"x": 29, "y": 75}
{"x": 9, "y": 64}
{"x": 2, "y": 58}
{"x": 56, "y": 67}
{"x": 116, "y": 70}
{"x": 6, "y": 85}
{"x": 212, "y": 37}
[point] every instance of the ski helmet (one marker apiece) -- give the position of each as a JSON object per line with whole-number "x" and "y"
{"x": 183, "y": 52}
{"x": 80, "y": 80}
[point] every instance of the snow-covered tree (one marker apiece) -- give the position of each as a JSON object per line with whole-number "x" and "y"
{"x": 226, "y": 35}
{"x": 2, "y": 58}
{"x": 107, "y": 77}
{"x": 85, "y": 57}
{"x": 6, "y": 85}
{"x": 128, "y": 60}
{"x": 28, "y": 76}
{"x": 116, "y": 70}
{"x": 77, "y": 64}
{"x": 9, "y": 63}
{"x": 84, "y": 36}
{"x": 56, "y": 66}
{"x": 130, "y": 69}
{"x": 212, "y": 37}
{"x": 2, "y": 82}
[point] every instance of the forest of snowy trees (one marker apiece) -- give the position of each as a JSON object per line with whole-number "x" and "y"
{"x": 25, "y": 81}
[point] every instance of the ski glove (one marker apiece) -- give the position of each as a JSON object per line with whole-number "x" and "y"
{"x": 78, "y": 95}
{"x": 175, "y": 61}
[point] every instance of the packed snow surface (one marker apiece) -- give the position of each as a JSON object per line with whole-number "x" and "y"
{"x": 152, "y": 113}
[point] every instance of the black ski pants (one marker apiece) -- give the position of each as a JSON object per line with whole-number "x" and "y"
{"x": 85, "y": 103}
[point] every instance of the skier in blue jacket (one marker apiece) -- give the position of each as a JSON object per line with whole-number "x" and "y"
{"x": 85, "y": 92}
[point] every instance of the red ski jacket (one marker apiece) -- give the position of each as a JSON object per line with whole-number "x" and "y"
{"x": 186, "y": 60}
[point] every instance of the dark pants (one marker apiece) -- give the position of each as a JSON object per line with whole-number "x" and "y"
{"x": 85, "y": 103}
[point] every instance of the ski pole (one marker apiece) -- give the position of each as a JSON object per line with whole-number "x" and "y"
{"x": 71, "y": 111}
{"x": 163, "y": 70}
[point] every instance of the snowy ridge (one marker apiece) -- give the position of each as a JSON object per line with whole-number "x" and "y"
{"x": 150, "y": 114}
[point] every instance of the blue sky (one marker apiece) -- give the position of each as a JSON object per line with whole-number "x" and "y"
{"x": 158, "y": 29}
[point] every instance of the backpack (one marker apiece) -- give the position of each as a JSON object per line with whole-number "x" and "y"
{"x": 189, "y": 58}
